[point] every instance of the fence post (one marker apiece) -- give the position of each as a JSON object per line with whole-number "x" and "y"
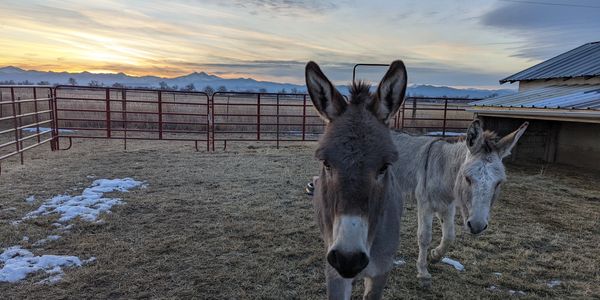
{"x": 258, "y": 118}
{"x": 15, "y": 124}
{"x": 124, "y": 116}
{"x": 36, "y": 117}
{"x": 20, "y": 122}
{"x": 304, "y": 118}
{"x": 277, "y": 121}
{"x": 403, "y": 113}
{"x": 160, "y": 116}
{"x": 208, "y": 129}
{"x": 108, "y": 125}
{"x": 444, "y": 121}
{"x": 53, "y": 106}
{"x": 212, "y": 119}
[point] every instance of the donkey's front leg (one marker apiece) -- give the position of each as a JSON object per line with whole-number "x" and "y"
{"x": 337, "y": 287}
{"x": 425, "y": 217}
{"x": 374, "y": 287}
{"x": 448, "y": 234}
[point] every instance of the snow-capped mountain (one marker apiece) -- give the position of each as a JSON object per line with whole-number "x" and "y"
{"x": 201, "y": 79}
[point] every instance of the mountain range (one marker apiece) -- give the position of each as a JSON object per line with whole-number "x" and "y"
{"x": 14, "y": 75}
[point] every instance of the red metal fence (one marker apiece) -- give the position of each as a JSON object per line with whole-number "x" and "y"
{"x": 26, "y": 119}
{"x": 131, "y": 114}
{"x": 31, "y": 116}
{"x": 434, "y": 116}
{"x": 268, "y": 117}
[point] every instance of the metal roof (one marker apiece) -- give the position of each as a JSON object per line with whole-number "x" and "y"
{"x": 571, "y": 97}
{"x": 583, "y": 61}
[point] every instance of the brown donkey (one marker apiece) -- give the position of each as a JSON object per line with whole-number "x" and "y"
{"x": 356, "y": 198}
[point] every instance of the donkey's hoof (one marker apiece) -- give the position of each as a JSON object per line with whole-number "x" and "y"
{"x": 434, "y": 256}
{"x": 425, "y": 283}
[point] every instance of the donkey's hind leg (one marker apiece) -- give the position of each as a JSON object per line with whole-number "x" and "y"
{"x": 425, "y": 218}
{"x": 374, "y": 287}
{"x": 448, "y": 234}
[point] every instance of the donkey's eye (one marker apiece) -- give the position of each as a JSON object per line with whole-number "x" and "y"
{"x": 498, "y": 184}
{"x": 326, "y": 165}
{"x": 383, "y": 169}
{"x": 468, "y": 179}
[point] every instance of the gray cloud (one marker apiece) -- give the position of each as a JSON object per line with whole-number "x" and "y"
{"x": 547, "y": 28}
{"x": 284, "y": 7}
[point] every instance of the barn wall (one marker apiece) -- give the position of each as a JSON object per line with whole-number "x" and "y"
{"x": 571, "y": 143}
{"x": 534, "y": 145}
{"x": 535, "y": 84}
{"x": 579, "y": 145}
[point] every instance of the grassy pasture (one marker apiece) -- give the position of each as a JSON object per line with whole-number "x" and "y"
{"x": 235, "y": 224}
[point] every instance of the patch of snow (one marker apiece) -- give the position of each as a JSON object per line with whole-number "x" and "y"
{"x": 30, "y": 199}
{"x": 15, "y": 222}
{"x": 89, "y": 205}
{"x": 9, "y": 209}
{"x": 43, "y": 129}
{"x": 52, "y": 279}
{"x": 92, "y": 176}
{"x": 448, "y": 133}
{"x": 516, "y": 293}
{"x": 456, "y": 264}
{"x": 399, "y": 262}
{"x": 89, "y": 260}
{"x": 18, "y": 263}
{"x": 497, "y": 274}
{"x": 46, "y": 240}
{"x": 493, "y": 288}
{"x": 25, "y": 239}
{"x": 553, "y": 283}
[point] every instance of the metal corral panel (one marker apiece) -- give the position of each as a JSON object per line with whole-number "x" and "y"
{"x": 583, "y": 61}
{"x": 580, "y": 97}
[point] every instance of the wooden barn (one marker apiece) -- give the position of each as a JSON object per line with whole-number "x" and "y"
{"x": 560, "y": 97}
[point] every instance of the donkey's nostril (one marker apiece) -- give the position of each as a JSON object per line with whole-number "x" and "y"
{"x": 485, "y": 227}
{"x": 333, "y": 259}
{"x": 348, "y": 265}
{"x": 469, "y": 224}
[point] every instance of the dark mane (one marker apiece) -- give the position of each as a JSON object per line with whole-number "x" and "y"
{"x": 490, "y": 140}
{"x": 359, "y": 92}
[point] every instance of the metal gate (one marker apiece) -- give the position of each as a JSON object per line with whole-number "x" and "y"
{"x": 267, "y": 117}
{"x": 131, "y": 114}
{"x": 26, "y": 119}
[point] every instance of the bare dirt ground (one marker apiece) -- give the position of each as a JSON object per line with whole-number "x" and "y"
{"x": 235, "y": 224}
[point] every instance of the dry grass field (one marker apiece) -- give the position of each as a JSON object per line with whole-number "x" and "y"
{"x": 235, "y": 224}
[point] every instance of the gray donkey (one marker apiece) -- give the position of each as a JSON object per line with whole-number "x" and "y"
{"x": 357, "y": 201}
{"x": 441, "y": 174}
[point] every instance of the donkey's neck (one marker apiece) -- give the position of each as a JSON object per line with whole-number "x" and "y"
{"x": 448, "y": 158}
{"x": 454, "y": 155}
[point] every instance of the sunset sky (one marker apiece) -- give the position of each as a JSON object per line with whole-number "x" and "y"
{"x": 451, "y": 42}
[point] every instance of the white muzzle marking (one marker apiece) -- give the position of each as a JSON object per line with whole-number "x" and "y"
{"x": 350, "y": 234}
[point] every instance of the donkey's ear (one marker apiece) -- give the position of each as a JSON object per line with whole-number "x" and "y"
{"x": 475, "y": 137}
{"x": 508, "y": 142}
{"x": 390, "y": 93}
{"x": 325, "y": 97}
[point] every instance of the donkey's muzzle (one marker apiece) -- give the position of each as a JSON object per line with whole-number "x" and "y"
{"x": 347, "y": 264}
{"x": 476, "y": 227}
